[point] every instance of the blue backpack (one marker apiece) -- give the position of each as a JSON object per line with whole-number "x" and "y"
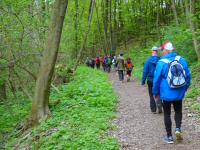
{"x": 106, "y": 60}
{"x": 176, "y": 76}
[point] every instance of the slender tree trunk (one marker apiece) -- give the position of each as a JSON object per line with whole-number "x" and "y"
{"x": 111, "y": 32}
{"x": 196, "y": 41}
{"x": 87, "y": 32}
{"x": 175, "y": 12}
{"x": 182, "y": 9}
{"x": 76, "y": 28}
{"x": 3, "y": 77}
{"x": 115, "y": 28}
{"x": 158, "y": 21}
{"x": 40, "y": 108}
{"x": 99, "y": 29}
{"x": 2, "y": 91}
{"x": 105, "y": 23}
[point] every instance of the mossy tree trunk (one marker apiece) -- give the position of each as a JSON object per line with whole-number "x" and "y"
{"x": 40, "y": 108}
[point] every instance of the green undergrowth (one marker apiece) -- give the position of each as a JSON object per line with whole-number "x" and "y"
{"x": 12, "y": 112}
{"x": 82, "y": 112}
{"x": 139, "y": 56}
{"x": 193, "y": 93}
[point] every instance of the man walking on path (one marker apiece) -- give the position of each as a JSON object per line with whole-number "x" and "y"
{"x": 148, "y": 73}
{"x": 121, "y": 67}
{"x": 171, "y": 81}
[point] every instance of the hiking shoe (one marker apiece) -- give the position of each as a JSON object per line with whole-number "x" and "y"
{"x": 168, "y": 139}
{"x": 159, "y": 110}
{"x": 178, "y": 134}
{"x": 154, "y": 112}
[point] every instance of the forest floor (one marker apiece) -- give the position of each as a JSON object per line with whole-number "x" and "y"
{"x": 139, "y": 129}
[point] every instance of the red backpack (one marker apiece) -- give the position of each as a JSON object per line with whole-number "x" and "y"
{"x": 129, "y": 65}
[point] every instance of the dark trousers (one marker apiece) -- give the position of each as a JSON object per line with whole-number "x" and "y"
{"x": 98, "y": 66}
{"x": 152, "y": 101}
{"x": 121, "y": 75}
{"x": 167, "y": 115}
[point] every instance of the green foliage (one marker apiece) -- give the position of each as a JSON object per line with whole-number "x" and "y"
{"x": 12, "y": 113}
{"x": 81, "y": 115}
{"x": 181, "y": 37}
{"x": 139, "y": 57}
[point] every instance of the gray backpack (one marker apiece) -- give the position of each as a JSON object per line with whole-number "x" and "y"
{"x": 176, "y": 76}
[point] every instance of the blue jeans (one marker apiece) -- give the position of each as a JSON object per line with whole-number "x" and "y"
{"x": 121, "y": 75}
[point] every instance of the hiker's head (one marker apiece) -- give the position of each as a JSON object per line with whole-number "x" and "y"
{"x": 167, "y": 48}
{"x": 121, "y": 54}
{"x": 154, "y": 51}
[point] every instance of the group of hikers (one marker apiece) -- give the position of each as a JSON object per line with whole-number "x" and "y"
{"x": 119, "y": 64}
{"x": 168, "y": 79}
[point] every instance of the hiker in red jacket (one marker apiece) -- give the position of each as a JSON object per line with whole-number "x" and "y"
{"x": 97, "y": 62}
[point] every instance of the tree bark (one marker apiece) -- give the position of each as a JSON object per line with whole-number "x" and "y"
{"x": 103, "y": 42}
{"x": 40, "y": 108}
{"x": 196, "y": 41}
{"x": 87, "y": 32}
{"x": 2, "y": 92}
{"x": 3, "y": 77}
{"x": 175, "y": 12}
{"x": 115, "y": 27}
{"x": 111, "y": 32}
{"x": 76, "y": 28}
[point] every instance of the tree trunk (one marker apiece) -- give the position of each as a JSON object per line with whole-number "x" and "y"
{"x": 87, "y": 32}
{"x": 115, "y": 28}
{"x": 76, "y": 28}
{"x": 105, "y": 24}
{"x": 3, "y": 77}
{"x": 99, "y": 29}
{"x": 111, "y": 32}
{"x": 158, "y": 22}
{"x": 196, "y": 41}
{"x": 175, "y": 12}
{"x": 2, "y": 92}
{"x": 40, "y": 108}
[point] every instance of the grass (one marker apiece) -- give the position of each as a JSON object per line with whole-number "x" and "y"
{"x": 12, "y": 111}
{"x": 194, "y": 91}
{"x": 80, "y": 119}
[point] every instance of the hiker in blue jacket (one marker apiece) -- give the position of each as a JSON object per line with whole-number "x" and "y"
{"x": 148, "y": 73}
{"x": 171, "y": 81}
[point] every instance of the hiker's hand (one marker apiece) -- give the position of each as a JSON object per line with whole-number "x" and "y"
{"x": 156, "y": 98}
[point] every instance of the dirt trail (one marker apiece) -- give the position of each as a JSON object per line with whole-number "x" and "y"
{"x": 139, "y": 129}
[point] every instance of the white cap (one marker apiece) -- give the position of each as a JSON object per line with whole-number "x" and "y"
{"x": 168, "y": 46}
{"x": 154, "y": 48}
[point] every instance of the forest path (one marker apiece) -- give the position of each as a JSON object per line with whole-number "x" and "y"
{"x": 139, "y": 129}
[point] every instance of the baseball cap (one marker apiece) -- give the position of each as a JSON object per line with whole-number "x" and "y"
{"x": 154, "y": 48}
{"x": 168, "y": 46}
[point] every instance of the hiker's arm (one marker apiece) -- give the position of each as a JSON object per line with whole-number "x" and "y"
{"x": 157, "y": 79}
{"x": 145, "y": 70}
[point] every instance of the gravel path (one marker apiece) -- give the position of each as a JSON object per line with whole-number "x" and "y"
{"x": 139, "y": 129}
